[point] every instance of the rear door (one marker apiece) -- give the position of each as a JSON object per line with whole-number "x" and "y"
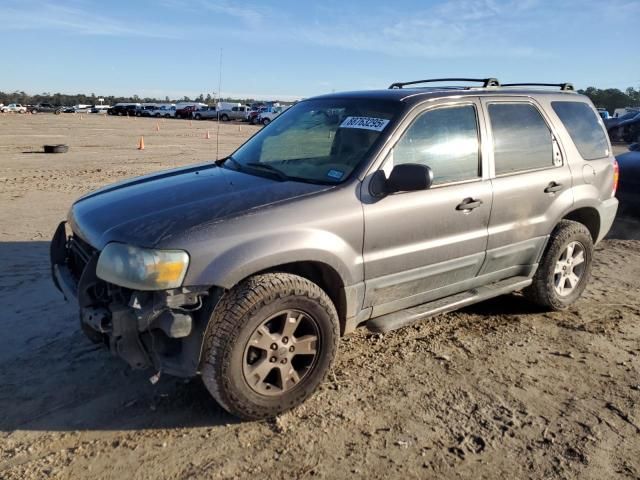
{"x": 531, "y": 184}
{"x": 424, "y": 245}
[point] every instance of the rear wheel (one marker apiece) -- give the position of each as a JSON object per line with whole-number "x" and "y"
{"x": 270, "y": 342}
{"x": 198, "y": 116}
{"x": 266, "y": 121}
{"x": 565, "y": 269}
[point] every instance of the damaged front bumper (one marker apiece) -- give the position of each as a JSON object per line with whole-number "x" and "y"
{"x": 160, "y": 329}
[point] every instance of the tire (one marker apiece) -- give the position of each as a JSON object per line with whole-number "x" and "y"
{"x": 257, "y": 304}
{"x": 198, "y": 116}
{"x": 56, "y": 148}
{"x": 265, "y": 121}
{"x": 545, "y": 287}
{"x": 224, "y": 117}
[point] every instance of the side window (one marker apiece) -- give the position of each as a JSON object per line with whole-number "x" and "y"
{"x": 584, "y": 128}
{"x": 444, "y": 139}
{"x": 521, "y": 138}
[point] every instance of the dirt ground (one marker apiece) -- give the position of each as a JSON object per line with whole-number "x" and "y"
{"x": 497, "y": 390}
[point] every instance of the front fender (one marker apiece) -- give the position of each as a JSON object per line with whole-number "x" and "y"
{"x": 228, "y": 266}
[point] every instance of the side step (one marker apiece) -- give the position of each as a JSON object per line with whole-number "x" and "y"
{"x": 395, "y": 320}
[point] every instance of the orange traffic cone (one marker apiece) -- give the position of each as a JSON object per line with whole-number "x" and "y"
{"x": 157, "y": 126}
{"x": 207, "y": 136}
{"x": 141, "y": 144}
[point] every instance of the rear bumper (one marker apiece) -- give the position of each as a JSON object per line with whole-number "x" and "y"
{"x": 160, "y": 329}
{"x": 607, "y": 211}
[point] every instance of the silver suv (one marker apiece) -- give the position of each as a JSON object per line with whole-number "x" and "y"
{"x": 376, "y": 208}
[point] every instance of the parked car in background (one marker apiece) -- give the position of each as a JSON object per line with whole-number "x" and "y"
{"x": 623, "y": 128}
{"x": 147, "y": 110}
{"x": 100, "y": 109}
{"x": 619, "y": 112}
{"x": 266, "y": 117}
{"x": 125, "y": 109}
{"x": 239, "y": 112}
{"x": 629, "y": 130}
{"x": 14, "y": 108}
{"x": 205, "y": 113}
{"x": 185, "y": 111}
{"x": 164, "y": 111}
{"x": 629, "y": 187}
{"x": 81, "y": 108}
{"x": 45, "y": 108}
{"x": 612, "y": 122}
{"x": 254, "y": 113}
{"x": 604, "y": 114}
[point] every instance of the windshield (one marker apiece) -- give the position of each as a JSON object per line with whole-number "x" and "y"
{"x": 317, "y": 141}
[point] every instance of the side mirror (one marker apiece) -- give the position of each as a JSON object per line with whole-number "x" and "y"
{"x": 406, "y": 177}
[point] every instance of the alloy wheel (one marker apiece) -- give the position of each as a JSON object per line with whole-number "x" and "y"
{"x": 281, "y": 352}
{"x": 569, "y": 269}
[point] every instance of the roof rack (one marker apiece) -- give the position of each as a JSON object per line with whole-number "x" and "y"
{"x": 486, "y": 82}
{"x": 568, "y": 87}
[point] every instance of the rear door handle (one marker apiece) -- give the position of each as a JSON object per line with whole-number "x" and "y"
{"x": 553, "y": 187}
{"x": 469, "y": 204}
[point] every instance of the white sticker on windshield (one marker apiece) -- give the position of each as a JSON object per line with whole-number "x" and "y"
{"x": 368, "y": 123}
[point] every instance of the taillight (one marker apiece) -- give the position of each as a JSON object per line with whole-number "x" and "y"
{"x": 616, "y": 177}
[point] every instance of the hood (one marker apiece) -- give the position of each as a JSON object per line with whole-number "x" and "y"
{"x": 148, "y": 210}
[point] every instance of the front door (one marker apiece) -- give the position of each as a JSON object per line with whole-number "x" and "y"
{"x": 423, "y": 245}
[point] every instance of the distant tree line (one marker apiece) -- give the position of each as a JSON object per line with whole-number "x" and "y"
{"x": 92, "y": 99}
{"x": 610, "y": 98}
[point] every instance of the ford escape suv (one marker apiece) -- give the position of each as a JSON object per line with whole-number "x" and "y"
{"x": 375, "y": 208}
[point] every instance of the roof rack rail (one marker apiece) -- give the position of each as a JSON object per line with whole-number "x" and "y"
{"x": 486, "y": 82}
{"x": 568, "y": 87}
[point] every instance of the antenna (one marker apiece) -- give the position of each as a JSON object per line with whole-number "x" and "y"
{"x": 217, "y": 109}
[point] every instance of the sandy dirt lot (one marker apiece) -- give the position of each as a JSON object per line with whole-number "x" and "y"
{"x": 497, "y": 390}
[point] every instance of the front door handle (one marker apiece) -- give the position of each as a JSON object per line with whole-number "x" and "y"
{"x": 553, "y": 187}
{"x": 469, "y": 204}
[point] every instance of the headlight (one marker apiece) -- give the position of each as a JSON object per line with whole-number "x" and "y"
{"x": 141, "y": 268}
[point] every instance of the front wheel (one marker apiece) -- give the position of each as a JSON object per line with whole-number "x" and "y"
{"x": 265, "y": 121}
{"x": 270, "y": 342}
{"x": 565, "y": 268}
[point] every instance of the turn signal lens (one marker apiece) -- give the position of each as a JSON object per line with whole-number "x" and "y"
{"x": 616, "y": 177}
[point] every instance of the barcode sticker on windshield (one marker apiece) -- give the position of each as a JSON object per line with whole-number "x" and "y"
{"x": 368, "y": 123}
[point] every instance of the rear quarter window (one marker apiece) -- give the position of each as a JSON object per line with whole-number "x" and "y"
{"x": 584, "y": 128}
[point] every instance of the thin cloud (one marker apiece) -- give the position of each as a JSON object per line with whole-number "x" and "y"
{"x": 73, "y": 20}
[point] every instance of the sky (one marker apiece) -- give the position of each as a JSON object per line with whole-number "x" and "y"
{"x": 293, "y": 49}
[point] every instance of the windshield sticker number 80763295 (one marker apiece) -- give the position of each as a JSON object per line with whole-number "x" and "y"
{"x": 367, "y": 123}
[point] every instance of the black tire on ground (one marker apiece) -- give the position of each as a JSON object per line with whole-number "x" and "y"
{"x": 240, "y": 314}
{"x": 197, "y": 116}
{"x": 543, "y": 289}
{"x": 266, "y": 121}
{"x": 224, "y": 117}
{"x": 56, "y": 148}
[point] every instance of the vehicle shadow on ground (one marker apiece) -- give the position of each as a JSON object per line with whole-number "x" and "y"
{"x": 512, "y": 304}
{"x": 53, "y": 378}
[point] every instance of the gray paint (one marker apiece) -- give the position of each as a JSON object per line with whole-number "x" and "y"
{"x": 390, "y": 253}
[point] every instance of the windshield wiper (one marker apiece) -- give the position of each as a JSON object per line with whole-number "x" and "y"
{"x": 270, "y": 168}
